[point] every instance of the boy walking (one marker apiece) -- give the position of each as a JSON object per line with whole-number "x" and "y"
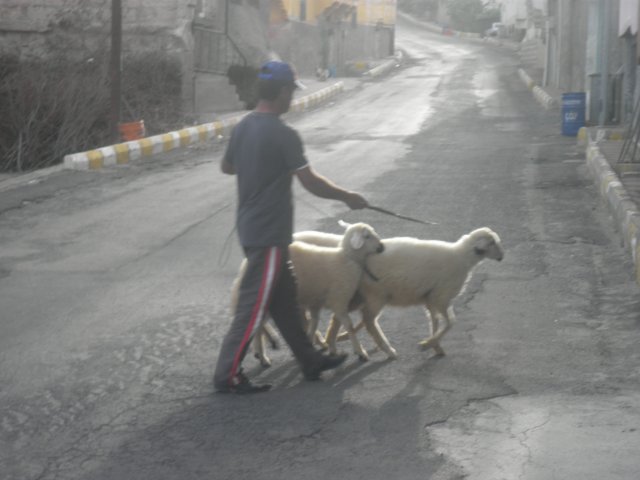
{"x": 265, "y": 154}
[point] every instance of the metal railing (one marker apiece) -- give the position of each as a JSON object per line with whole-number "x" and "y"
{"x": 629, "y": 152}
{"x": 215, "y": 51}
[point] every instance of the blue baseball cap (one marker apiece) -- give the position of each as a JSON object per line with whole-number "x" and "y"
{"x": 280, "y": 72}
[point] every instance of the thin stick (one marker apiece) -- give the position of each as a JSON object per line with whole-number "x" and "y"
{"x": 403, "y": 217}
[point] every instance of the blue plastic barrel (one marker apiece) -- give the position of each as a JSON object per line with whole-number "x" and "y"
{"x": 573, "y": 113}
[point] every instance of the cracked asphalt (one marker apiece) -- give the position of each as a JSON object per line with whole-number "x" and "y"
{"x": 114, "y": 288}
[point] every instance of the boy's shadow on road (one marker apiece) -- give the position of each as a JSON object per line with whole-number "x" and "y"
{"x": 213, "y": 435}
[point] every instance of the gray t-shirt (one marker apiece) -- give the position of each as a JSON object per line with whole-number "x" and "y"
{"x": 264, "y": 152}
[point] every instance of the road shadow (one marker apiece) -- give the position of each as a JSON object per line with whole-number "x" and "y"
{"x": 300, "y": 429}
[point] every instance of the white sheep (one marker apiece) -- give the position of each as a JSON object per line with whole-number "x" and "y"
{"x": 420, "y": 272}
{"x": 328, "y": 277}
{"x": 267, "y": 332}
{"x": 322, "y": 239}
{"x": 332, "y": 240}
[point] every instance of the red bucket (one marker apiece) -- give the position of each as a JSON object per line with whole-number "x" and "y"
{"x": 132, "y": 130}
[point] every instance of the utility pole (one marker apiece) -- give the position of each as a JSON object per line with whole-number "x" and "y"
{"x": 604, "y": 61}
{"x": 226, "y": 18}
{"x": 115, "y": 68}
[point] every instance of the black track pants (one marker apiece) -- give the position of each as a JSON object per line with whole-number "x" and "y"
{"x": 268, "y": 285}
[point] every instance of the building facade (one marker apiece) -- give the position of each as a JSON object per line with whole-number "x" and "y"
{"x": 215, "y": 41}
{"x": 332, "y": 35}
{"x": 586, "y": 46}
{"x": 184, "y": 32}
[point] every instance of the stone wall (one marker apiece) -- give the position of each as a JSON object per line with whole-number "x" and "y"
{"x": 81, "y": 28}
{"x": 80, "y": 31}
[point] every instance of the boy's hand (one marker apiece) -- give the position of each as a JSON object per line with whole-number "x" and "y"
{"x": 355, "y": 201}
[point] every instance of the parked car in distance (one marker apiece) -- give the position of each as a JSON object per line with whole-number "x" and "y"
{"x": 497, "y": 30}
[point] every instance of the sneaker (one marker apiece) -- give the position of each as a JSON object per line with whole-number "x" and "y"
{"x": 327, "y": 362}
{"x": 241, "y": 385}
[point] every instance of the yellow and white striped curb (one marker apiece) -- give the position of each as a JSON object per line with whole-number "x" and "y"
{"x": 546, "y": 100}
{"x": 524, "y": 76}
{"x": 467, "y": 34}
{"x": 582, "y": 137}
{"x": 309, "y": 101}
{"x": 543, "y": 97}
{"x": 623, "y": 209}
{"x": 382, "y": 68}
{"x": 608, "y": 134}
{"x": 599, "y": 134}
{"x": 123, "y": 153}
{"x": 457, "y": 33}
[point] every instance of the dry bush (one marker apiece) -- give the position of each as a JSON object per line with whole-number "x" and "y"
{"x": 49, "y": 109}
{"x": 151, "y": 90}
{"x": 55, "y": 107}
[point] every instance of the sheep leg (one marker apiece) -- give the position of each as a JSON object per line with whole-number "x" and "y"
{"x": 258, "y": 348}
{"x": 332, "y": 333}
{"x": 313, "y": 318}
{"x": 433, "y": 321}
{"x": 434, "y": 325}
{"x": 270, "y": 336}
{"x": 345, "y": 320}
{"x": 370, "y": 320}
{"x": 320, "y": 340}
{"x": 345, "y": 335}
{"x": 432, "y": 343}
{"x": 434, "y": 340}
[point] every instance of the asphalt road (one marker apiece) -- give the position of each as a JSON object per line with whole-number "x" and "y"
{"x": 114, "y": 291}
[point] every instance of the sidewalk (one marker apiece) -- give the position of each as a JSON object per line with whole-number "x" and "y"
{"x": 618, "y": 183}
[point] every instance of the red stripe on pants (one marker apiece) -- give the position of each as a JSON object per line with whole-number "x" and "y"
{"x": 269, "y": 274}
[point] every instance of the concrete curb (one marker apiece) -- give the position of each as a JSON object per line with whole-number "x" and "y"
{"x": 435, "y": 28}
{"x": 29, "y": 178}
{"x": 467, "y": 34}
{"x": 383, "y": 68}
{"x": 546, "y": 100}
{"x": 429, "y": 26}
{"x": 314, "y": 99}
{"x": 624, "y": 210}
{"x": 123, "y": 153}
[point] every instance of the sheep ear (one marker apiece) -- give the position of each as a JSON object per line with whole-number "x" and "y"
{"x": 344, "y": 224}
{"x": 481, "y": 246}
{"x": 357, "y": 241}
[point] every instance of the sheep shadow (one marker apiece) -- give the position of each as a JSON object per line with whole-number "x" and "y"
{"x": 287, "y": 373}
